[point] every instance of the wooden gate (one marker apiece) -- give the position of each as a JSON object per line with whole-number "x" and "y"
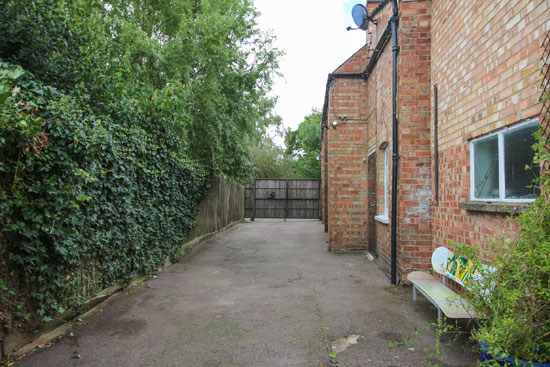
{"x": 283, "y": 198}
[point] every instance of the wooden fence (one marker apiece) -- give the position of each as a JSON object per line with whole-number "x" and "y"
{"x": 222, "y": 205}
{"x": 283, "y": 198}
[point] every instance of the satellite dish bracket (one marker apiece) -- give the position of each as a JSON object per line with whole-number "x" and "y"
{"x": 372, "y": 20}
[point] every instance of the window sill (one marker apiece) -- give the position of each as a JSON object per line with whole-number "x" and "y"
{"x": 382, "y": 219}
{"x": 494, "y": 207}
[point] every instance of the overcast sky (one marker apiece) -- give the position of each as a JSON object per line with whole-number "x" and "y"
{"x": 313, "y": 35}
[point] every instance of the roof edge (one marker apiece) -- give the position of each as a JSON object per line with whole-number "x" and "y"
{"x": 349, "y": 58}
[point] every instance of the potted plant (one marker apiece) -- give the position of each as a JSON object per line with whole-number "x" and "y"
{"x": 512, "y": 303}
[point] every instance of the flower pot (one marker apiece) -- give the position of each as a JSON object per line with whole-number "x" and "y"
{"x": 504, "y": 361}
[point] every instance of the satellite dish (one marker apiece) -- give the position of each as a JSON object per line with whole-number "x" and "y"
{"x": 359, "y": 14}
{"x": 361, "y": 17}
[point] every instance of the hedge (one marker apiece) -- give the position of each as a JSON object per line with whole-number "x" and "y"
{"x": 87, "y": 200}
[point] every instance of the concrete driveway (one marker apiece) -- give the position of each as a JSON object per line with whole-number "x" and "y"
{"x": 265, "y": 293}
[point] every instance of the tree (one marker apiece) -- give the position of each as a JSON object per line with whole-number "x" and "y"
{"x": 114, "y": 114}
{"x": 303, "y": 146}
{"x": 202, "y": 67}
{"x": 270, "y": 161}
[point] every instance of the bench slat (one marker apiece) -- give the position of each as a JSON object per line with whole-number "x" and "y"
{"x": 450, "y": 303}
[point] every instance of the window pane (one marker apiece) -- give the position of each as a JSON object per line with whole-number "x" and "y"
{"x": 386, "y": 181}
{"x": 518, "y": 154}
{"x": 486, "y": 169}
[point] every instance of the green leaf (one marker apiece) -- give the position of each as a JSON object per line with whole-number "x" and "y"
{"x": 47, "y": 318}
{"x": 83, "y": 197}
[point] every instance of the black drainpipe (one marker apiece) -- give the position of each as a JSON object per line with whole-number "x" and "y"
{"x": 395, "y": 155}
{"x": 436, "y": 148}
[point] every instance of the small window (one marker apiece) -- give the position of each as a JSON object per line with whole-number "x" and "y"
{"x": 386, "y": 170}
{"x": 486, "y": 168}
{"x": 383, "y": 217}
{"x": 498, "y": 164}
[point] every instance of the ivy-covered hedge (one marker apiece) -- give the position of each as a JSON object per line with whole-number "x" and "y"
{"x": 114, "y": 114}
{"x": 84, "y": 197}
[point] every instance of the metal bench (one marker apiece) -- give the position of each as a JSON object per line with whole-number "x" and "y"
{"x": 447, "y": 302}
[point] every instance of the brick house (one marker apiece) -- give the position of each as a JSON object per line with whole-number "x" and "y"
{"x": 468, "y": 87}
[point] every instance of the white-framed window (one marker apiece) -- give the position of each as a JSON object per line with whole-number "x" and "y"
{"x": 498, "y": 162}
{"x": 383, "y": 217}
{"x": 386, "y": 179}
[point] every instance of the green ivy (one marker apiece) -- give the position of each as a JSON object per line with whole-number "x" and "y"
{"x": 114, "y": 114}
{"x": 83, "y": 192}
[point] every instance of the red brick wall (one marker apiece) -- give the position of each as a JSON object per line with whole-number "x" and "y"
{"x": 484, "y": 56}
{"x": 415, "y": 220}
{"x": 347, "y": 173}
{"x": 414, "y": 217}
{"x": 356, "y": 63}
{"x": 346, "y": 97}
{"x": 380, "y": 118}
{"x": 485, "y": 60}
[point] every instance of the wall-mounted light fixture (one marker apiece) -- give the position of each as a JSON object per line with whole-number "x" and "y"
{"x": 335, "y": 123}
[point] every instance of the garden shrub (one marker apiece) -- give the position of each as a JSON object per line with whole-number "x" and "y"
{"x": 81, "y": 194}
{"x": 512, "y": 302}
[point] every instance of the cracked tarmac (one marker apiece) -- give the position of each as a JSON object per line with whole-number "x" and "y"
{"x": 265, "y": 293}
